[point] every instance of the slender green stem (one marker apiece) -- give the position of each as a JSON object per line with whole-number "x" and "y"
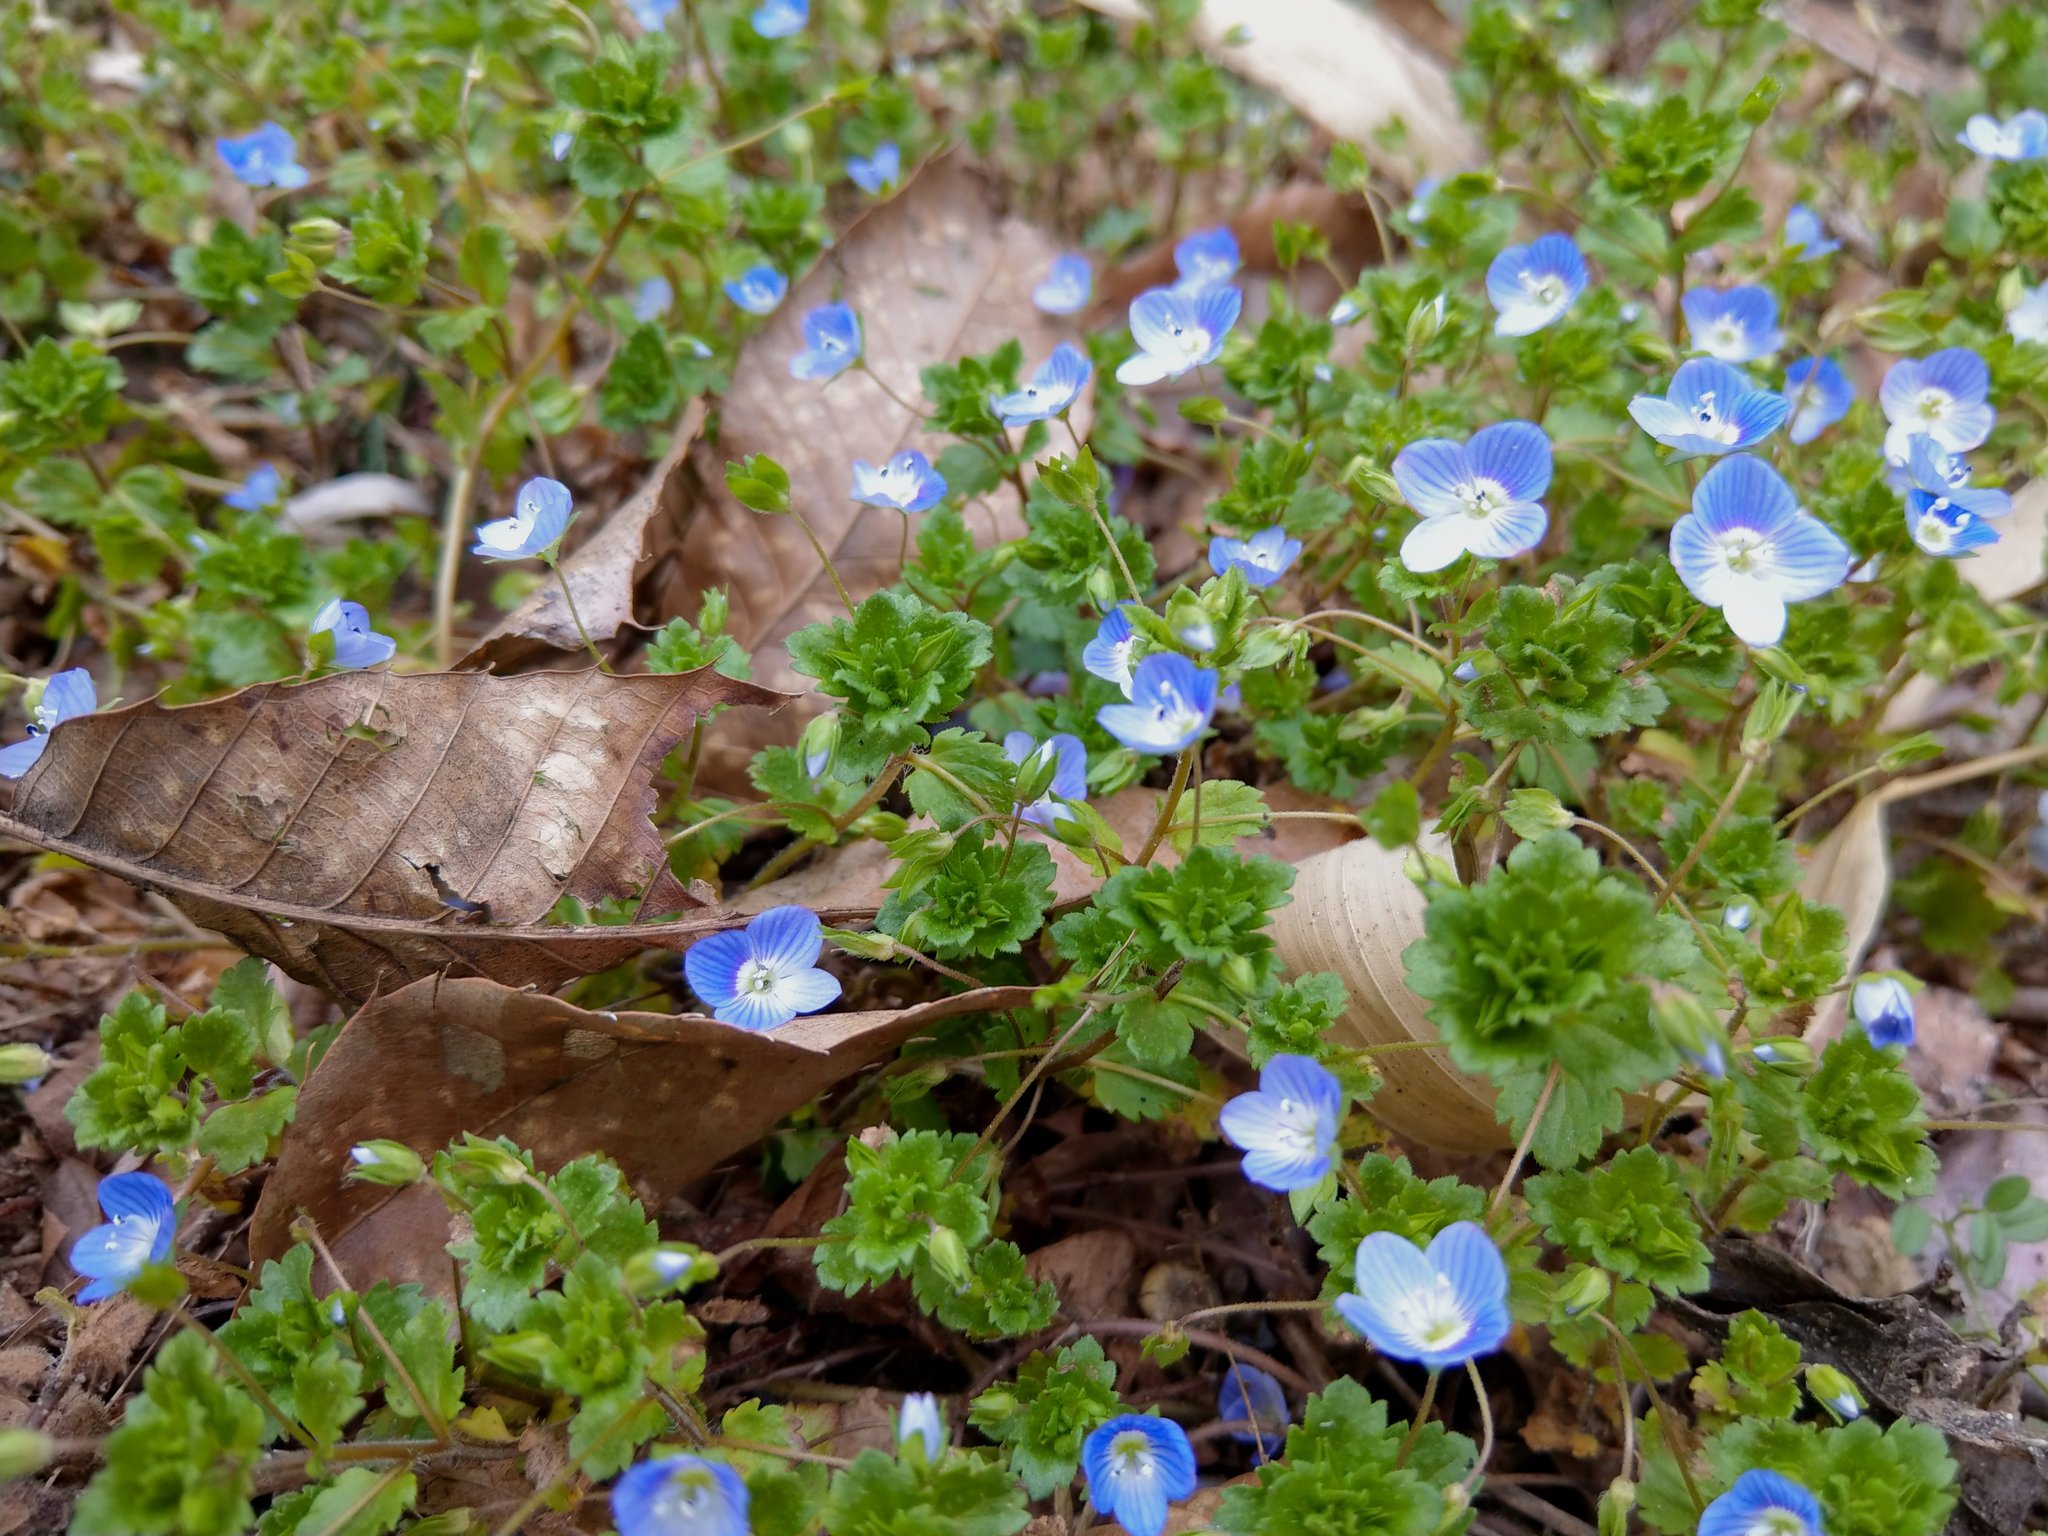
{"x": 1507, "y": 1180}
{"x": 1181, "y": 769}
{"x": 823, "y": 558}
{"x": 1472, "y": 1478}
{"x": 1422, "y": 1411}
{"x": 569, "y": 597}
{"x": 1693, "y": 855}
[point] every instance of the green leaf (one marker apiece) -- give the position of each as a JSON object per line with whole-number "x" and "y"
{"x": 1860, "y": 1113}
{"x": 1631, "y": 1217}
{"x": 641, "y": 388}
{"x": 1045, "y": 1414}
{"x": 132, "y": 1101}
{"x": 895, "y": 1195}
{"x": 239, "y": 1136}
{"x": 1228, "y": 811}
{"x": 984, "y": 898}
{"x": 1390, "y": 1198}
{"x": 962, "y": 1495}
{"x": 1395, "y": 816}
{"x": 1757, "y": 1375}
{"x": 898, "y": 662}
{"x": 357, "y": 1502}
{"x": 959, "y": 765}
{"x": 488, "y": 252}
{"x": 1560, "y": 670}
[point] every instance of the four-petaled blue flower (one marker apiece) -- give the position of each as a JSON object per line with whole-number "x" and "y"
{"x": 1108, "y": 655}
{"x": 1250, "y": 1396}
{"x": 1482, "y": 497}
{"x": 652, "y": 299}
{"x": 680, "y": 1496}
{"x": 1138, "y": 1465}
{"x": 1737, "y": 325}
{"x": 2028, "y": 319}
{"x": 355, "y": 643}
{"x": 1264, "y": 557}
{"x": 1287, "y": 1130}
{"x": 142, "y": 1227}
{"x": 1177, "y": 330}
{"x": 263, "y": 489}
{"x": 1762, "y": 1504}
{"x": 1439, "y": 1307}
{"x": 1941, "y": 395}
{"x": 66, "y": 696}
{"x": 1944, "y": 512}
{"x": 1206, "y": 259}
{"x": 1820, "y": 394}
{"x": 878, "y": 172}
{"x": 1171, "y": 702}
{"x": 1067, "y": 287}
{"x": 1532, "y": 285}
{"x": 1947, "y": 530}
{"x": 919, "y": 1428}
{"x": 831, "y": 343}
{"x": 651, "y": 14}
{"x": 1052, "y": 390}
{"x": 540, "y": 517}
{"x": 1747, "y": 549}
{"x": 907, "y": 482}
{"x": 1710, "y": 408}
{"x": 265, "y": 157}
{"x": 780, "y": 18}
{"x": 1069, "y": 779}
{"x": 759, "y": 289}
{"x": 2023, "y": 136}
{"x": 1806, "y": 234}
{"x": 765, "y": 974}
{"x": 1883, "y": 1005}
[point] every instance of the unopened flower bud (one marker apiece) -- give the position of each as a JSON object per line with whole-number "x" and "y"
{"x": 949, "y": 1255}
{"x": 1425, "y": 321}
{"x": 385, "y": 1162}
{"x": 1783, "y": 1051}
{"x": 24, "y": 1063}
{"x": 318, "y": 238}
{"x": 1615, "y": 1506}
{"x": 24, "y": 1452}
{"x": 1036, "y": 773}
{"x": 1584, "y": 1292}
{"x": 1101, "y": 588}
{"x": 489, "y": 1160}
{"x": 1834, "y": 1392}
{"x": 669, "y": 1267}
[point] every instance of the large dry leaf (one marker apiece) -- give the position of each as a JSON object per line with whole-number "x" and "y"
{"x": 666, "y": 1098}
{"x": 366, "y": 829}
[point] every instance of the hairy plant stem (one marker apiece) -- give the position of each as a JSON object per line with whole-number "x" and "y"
{"x": 1422, "y": 1411}
{"x": 1181, "y": 770}
{"x": 569, "y": 597}
{"x": 1699, "y": 847}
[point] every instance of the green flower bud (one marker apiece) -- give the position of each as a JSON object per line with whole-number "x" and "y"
{"x": 865, "y": 946}
{"x": 1786, "y": 1051}
{"x": 949, "y": 1256}
{"x": 318, "y": 238}
{"x": 1203, "y": 411}
{"x": 488, "y": 1160}
{"x": 1036, "y": 773}
{"x": 385, "y": 1162}
{"x": 1101, "y": 586}
{"x": 1425, "y": 322}
{"x": 1584, "y": 1292}
{"x": 1776, "y": 704}
{"x": 24, "y": 1452}
{"x": 1835, "y": 1392}
{"x": 1615, "y": 1506}
{"x": 24, "y": 1063}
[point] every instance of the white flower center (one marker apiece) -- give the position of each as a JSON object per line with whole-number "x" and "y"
{"x": 1191, "y": 339}
{"x": 1744, "y": 551}
{"x": 1709, "y": 422}
{"x": 1725, "y": 336}
{"x": 757, "y": 978}
{"x": 1930, "y": 405}
{"x": 1133, "y": 1454}
{"x": 1483, "y": 498}
{"x": 1776, "y": 1522}
{"x": 1170, "y": 709}
{"x": 1432, "y": 1319}
{"x": 684, "y": 1500}
{"x": 1295, "y": 1129}
{"x": 1543, "y": 292}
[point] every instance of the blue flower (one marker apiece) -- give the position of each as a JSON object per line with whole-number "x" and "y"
{"x": 1941, "y": 395}
{"x": 1480, "y": 497}
{"x": 1947, "y": 531}
{"x": 1136, "y": 1466}
{"x": 1069, "y": 779}
{"x": 1883, "y": 1005}
{"x": 1532, "y": 285}
{"x": 1739, "y": 916}
{"x": 1053, "y": 388}
{"x": 1439, "y": 1307}
{"x": 907, "y": 482}
{"x": 1737, "y": 325}
{"x": 765, "y": 974}
{"x": 1067, "y": 287}
{"x": 780, "y": 18}
{"x": 2023, "y": 136}
{"x": 1288, "y": 1128}
{"x": 66, "y": 696}
{"x": 831, "y": 343}
{"x": 1806, "y": 234}
{"x": 680, "y": 1496}
{"x": 1710, "y": 408}
{"x": 2028, "y": 319}
{"x": 878, "y": 172}
{"x": 651, "y": 14}
{"x": 142, "y": 1228}
{"x": 1264, "y": 557}
{"x": 1176, "y": 331}
{"x": 918, "y": 1424}
{"x": 540, "y": 517}
{"x": 265, "y": 157}
{"x": 1762, "y": 1504}
{"x": 651, "y": 300}
{"x": 1820, "y": 394}
{"x": 560, "y": 145}
{"x": 1108, "y": 655}
{"x": 759, "y": 289}
{"x": 1944, "y": 512}
{"x": 1171, "y": 701}
{"x": 263, "y": 489}
{"x": 1250, "y": 1396}
{"x": 1206, "y": 259}
{"x": 355, "y": 643}
{"x": 1747, "y": 549}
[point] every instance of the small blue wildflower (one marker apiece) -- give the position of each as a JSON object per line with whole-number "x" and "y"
{"x": 1287, "y": 1129}
{"x": 1053, "y": 388}
{"x": 1739, "y": 915}
{"x": 765, "y": 974}
{"x": 1710, "y": 409}
{"x": 1737, "y": 325}
{"x": 1762, "y": 1504}
{"x": 355, "y": 643}
{"x": 1345, "y": 311}
{"x": 1747, "y": 549}
{"x": 1206, "y": 259}
{"x": 1176, "y": 331}
{"x": 262, "y": 490}
{"x": 652, "y": 15}
{"x": 1806, "y": 234}
{"x": 1108, "y": 655}
{"x": 1440, "y": 1307}
{"x": 1481, "y": 497}
{"x": 1532, "y": 285}
{"x": 1171, "y": 702}
{"x": 1883, "y": 1005}
{"x": 2028, "y": 319}
{"x": 265, "y": 157}
{"x": 1465, "y": 670}
{"x": 651, "y": 300}
{"x": 831, "y": 343}
{"x": 1137, "y": 1465}
{"x": 2023, "y": 136}
{"x": 66, "y": 696}
{"x": 907, "y": 482}
{"x": 680, "y": 1496}
{"x": 560, "y": 145}
{"x": 1250, "y": 1396}
{"x": 1940, "y": 484}
{"x": 877, "y": 173}
{"x": 758, "y": 290}
{"x": 780, "y": 18}
{"x": 1264, "y": 557}
{"x": 1067, "y": 287}
{"x": 1820, "y": 394}
{"x": 539, "y": 519}
{"x": 1070, "y": 776}
{"x": 1941, "y": 395}
{"x": 1947, "y": 531}
{"x": 920, "y": 1429}
{"x": 142, "y": 1226}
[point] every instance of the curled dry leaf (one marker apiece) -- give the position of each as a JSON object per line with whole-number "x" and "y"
{"x": 366, "y": 829}
{"x": 666, "y": 1098}
{"x": 317, "y": 513}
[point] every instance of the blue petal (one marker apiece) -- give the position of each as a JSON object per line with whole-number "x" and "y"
{"x": 1736, "y": 1512}
{"x": 17, "y": 759}
{"x": 1757, "y": 415}
{"x": 1514, "y": 453}
{"x": 1810, "y": 559}
{"x": 1478, "y": 1276}
{"x": 1959, "y": 371}
{"x": 787, "y": 938}
{"x": 1217, "y": 309}
{"x": 1067, "y": 286}
{"x": 141, "y": 1196}
{"x": 67, "y": 695}
{"x": 1742, "y": 492}
{"x": 1699, "y": 377}
{"x": 1155, "y": 314}
{"x": 1207, "y": 257}
{"x": 1430, "y": 474}
{"x": 712, "y": 966}
{"x": 1511, "y": 531}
